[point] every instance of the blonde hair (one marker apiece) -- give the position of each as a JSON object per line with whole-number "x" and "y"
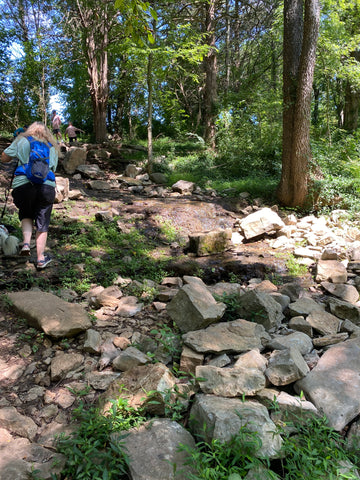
{"x": 40, "y": 132}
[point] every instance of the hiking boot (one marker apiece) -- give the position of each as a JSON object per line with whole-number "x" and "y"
{"x": 43, "y": 263}
{"x": 25, "y": 251}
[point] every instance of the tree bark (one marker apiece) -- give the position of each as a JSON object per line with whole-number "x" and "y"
{"x": 210, "y": 67}
{"x": 301, "y": 27}
{"x": 351, "y": 107}
{"x": 150, "y": 113}
{"x": 95, "y": 46}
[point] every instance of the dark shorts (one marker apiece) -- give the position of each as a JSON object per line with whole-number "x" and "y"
{"x": 56, "y": 130}
{"x": 35, "y": 202}
{"x": 72, "y": 139}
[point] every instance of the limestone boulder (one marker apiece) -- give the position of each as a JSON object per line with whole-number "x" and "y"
{"x": 230, "y": 382}
{"x": 227, "y": 337}
{"x": 345, "y": 310}
{"x": 63, "y": 363}
{"x": 333, "y": 385}
{"x": 304, "y": 306}
{"x": 45, "y": 311}
{"x": 347, "y": 293}
{"x": 19, "y": 460}
{"x": 297, "y": 339}
{"x": 332, "y": 271}
{"x": 154, "y": 449}
{"x": 193, "y": 308}
{"x": 263, "y": 221}
{"x": 62, "y": 189}
{"x": 130, "y": 358}
{"x": 210, "y": 243}
{"x": 286, "y": 366}
{"x": 73, "y": 158}
{"x": 135, "y": 384}
{"x": 17, "y": 423}
{"x": 183, "y": 187}
{"x": 324, "y": 322}
{"x": 224, "y": 417}
{"x": 260, "y": 307}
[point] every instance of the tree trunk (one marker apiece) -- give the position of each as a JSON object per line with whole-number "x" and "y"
{"x": 351, "y": 110}
{"x": 300, "y": 40}
{"x": 95, "y": 46}
{"x": 210, "y": 67}
{"x": 150, "y": 111}
{"x": 352, "y": 101}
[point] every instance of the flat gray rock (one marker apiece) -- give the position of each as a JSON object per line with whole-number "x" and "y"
{"x": 193, "y": 308}
{"x": 221, "y": 418}
{"x": 333, "y": 385}
{"x": 153, "y": 450}
{"x": 50, "y": 313}
{"x": 227, "y": 337}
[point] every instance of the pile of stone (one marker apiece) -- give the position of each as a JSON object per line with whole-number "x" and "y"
{"x": 297, "y": 346}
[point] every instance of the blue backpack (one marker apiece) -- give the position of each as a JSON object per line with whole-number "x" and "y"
{"x": 37, "y": 170}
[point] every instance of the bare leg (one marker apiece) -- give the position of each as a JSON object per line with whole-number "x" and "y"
{"x": 41, "y": 238}
{"x": 27, "y": 228}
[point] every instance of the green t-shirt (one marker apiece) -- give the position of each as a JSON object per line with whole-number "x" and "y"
{"x": 20, "y": 149}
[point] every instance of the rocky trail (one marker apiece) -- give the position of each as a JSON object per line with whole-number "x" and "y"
{"x": 295, "y": 339}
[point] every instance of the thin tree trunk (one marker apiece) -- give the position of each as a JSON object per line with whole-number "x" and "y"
{"x": 227, "y": 49}
{"x": 210, "y": 67}
{"x": 150, "y": 113}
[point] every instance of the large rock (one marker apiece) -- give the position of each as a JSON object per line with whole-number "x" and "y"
{"x": 333, "y": 385}
{"x": 221, "y": 418}
{"x": 134, "y": 385}
{"x": 130, "y": 358}
{"x": 230, "y": 382}
{"x": 63, "y": 363}
{"x": 297, "y": 339}
{"x": 91, "y": 171}
{"x": 324, "y": 322}
{"x": 19, "y": 460}
{"x": 345, "y": 310}
{"x": 263, "y": 221}
{"x": 289, "y": 409}
{"x": 286, "y": 366}
{"x": 73, "y": 158}
{"x": 227, "y": 337}
{"x": 210, "y": 243}
{"x": 261, "y": 308}
{"x": 62, "y": 189}
{"x": 304, "y": 306}
{"x": 183, "y": 187}
{"x": 158, "y": 177}
{"x": 50, "y": 313}
{"x": 332, "y": 271}
{"x": 17, "y": 423}
{"x": 153, "y": 450}
{"x": 193, "y": 308}
{"x": 347, "y": 293}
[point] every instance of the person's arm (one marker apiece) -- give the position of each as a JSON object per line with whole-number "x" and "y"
{"x": 5, "y": 158}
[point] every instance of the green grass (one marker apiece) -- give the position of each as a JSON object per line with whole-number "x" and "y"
{"x": 312, "y": 450}
{"x": 116, "y": 253}
{"x": 91, "y": 451}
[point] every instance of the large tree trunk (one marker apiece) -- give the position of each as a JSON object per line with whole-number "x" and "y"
{"x": 352, "y": 102}
{"x": 210, "y": 67}
{"x": 95, "y": 46}
{"x": 300, "y": 40}
{"x": 351, "y": 110}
